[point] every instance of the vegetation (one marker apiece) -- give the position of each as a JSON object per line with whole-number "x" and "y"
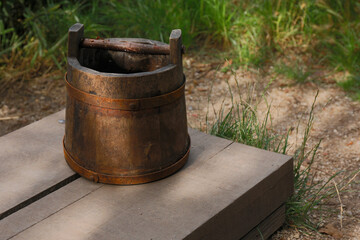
{"x": 242, "y": 124}
{"x": 257, "y": 30}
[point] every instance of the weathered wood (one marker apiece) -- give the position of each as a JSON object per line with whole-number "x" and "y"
{"x": 71, "y": 193}
{"x": 75, "y": 34}
{"x": 175, "y": 43}
{"x": 109, "y": 85}
{"x": 31, "y": 163}
{"x": 124, "y": 55}
{"x": 127, "y": 45}
{"x": 126, "y": 140}
{"x": 45, "y": 207}
{"x": 38, "y": 196}
{"x": 268, "y": 226}
{"x": 261, "y": 180}
{"x": 225, "y": 190}
{"x": 133, "y": 62}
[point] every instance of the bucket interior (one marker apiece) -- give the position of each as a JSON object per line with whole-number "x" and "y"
{"x": 109, "y": 61}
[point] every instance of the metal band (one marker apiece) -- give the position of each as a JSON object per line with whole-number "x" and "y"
{"x": 125, "y": 104}
{"x": 125, "y": 180}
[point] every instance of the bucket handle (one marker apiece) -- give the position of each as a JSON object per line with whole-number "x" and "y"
{"x": 175, "y": 49}
{"x": 144, "y": 47}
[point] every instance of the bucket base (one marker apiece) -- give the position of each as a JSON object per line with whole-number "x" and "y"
{"x": 126, "y": 180}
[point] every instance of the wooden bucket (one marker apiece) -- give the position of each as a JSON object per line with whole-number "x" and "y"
{"x": 125, "y": 111}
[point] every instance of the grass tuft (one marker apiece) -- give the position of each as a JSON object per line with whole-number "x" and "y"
{"x": 352, "y": 85}
{"x": 298, "y": 72}
{"x": 241, "y": 124}
{"x": 256, "y": 30}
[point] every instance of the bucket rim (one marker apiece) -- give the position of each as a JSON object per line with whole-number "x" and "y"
{"x": 74, "y": 63}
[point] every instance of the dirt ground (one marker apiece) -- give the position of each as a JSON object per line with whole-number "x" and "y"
{"x": 337, "y": 124}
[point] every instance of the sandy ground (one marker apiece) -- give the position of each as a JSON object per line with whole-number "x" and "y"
{"x": 337, "y": 124}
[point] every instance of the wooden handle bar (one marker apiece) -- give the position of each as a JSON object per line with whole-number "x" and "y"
{"x": 127, "y": 46}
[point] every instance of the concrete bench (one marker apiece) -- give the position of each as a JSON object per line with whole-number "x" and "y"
{"x": 226, "y": 190}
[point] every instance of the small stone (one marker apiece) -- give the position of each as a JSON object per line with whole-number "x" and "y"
{"x": 61, "y": 121}
{"x": 188, "y": 63}
{"x": 4, "y": 110}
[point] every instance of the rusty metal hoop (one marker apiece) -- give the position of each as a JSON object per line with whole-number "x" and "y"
{"x": 125, "y": 104}
{"x": 125, "y": 180}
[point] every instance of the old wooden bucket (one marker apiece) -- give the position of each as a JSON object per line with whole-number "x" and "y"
{"x": 125, "y": 110}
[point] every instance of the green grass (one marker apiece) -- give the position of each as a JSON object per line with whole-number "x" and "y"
{"x": 352, "y": 85}
{"x": 254, "y": 29}
{"x": 241, "y": 124}
{"x": 309, "y": 195}
{"x": 296, "y": 72}
{"x": 253, "y": 33}
{"x": 44, "y": 25}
